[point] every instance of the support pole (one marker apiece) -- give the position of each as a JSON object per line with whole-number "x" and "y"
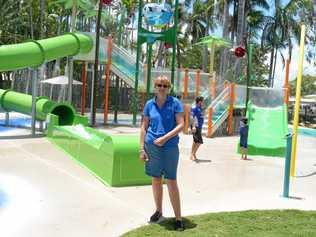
{"x": 297, "y": 99}
{"x": 213, "y": 88}
{"x": 210, "y": 122}
{"x": 83, "y": 88}
{"x": 138, "y": 52}
{"x": 185, "y": 83}
{"x": 186, "y": 118}
{"x": 34, "y": 95}
{"x": 286, "y": 83}
{"x": 197, "y": 82}
{"x": 92, "y": 117}
{"x": 70, "y": 78}
{"x": 107, "y": 81}
{"x": 286, "y": 183}
{"x": 149, "y": 65}
{"x": 7, "y": 118}
{"x": 211, "y": 71}
{"x": 174, "y": 44}
{"x": 117, "y": 97}
{"x": 249, "y": 72}
{"x": 96, "y": 65}
{"x": 230, "y": 129}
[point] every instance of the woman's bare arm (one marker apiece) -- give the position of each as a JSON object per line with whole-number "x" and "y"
{"x": 143, "y": 131}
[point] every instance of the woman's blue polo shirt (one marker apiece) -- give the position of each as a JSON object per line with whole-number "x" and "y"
{"x": 162, "y": 120}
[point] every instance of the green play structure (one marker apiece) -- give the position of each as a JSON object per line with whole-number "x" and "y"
{"x": 267, "y": 130}
{"x": 113, "y": 159}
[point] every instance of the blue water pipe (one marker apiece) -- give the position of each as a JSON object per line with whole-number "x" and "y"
{"x": 287, "y": 166}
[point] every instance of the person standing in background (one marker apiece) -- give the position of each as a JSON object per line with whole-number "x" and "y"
{"x": 197, "y": 118}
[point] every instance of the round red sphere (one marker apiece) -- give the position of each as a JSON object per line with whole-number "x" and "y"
{"x": 106, "y": 2}
{"x": 168, "y": 45}
{"x": 240, "y": 52}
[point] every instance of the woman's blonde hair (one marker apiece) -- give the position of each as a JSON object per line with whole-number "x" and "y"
{"x": 162, "y": 80}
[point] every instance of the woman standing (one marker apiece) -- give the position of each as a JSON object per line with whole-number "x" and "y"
{"x": 162, "y": 121}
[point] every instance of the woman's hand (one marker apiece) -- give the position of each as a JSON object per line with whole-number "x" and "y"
{"x": 193, "y": 129}
{"x": 143, "y": 156}
{"x": 160, "y": 141}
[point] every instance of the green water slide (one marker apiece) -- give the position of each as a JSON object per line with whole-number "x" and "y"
{"x": 267, "y": 130}
{"x": 35, "y": 53}
{"x": 113, "y": 159}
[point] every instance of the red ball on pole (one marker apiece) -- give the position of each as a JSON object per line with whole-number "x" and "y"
{"x": 168, "y": 45}
{"x": 239, "y": 52}
{"x": 106, "y": 2}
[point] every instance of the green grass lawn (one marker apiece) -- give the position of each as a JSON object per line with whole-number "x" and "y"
{"x": 270, "y": 223}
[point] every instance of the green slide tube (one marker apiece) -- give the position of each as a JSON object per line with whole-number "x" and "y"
{"x": 22, "y": 103}
{"x": 35, "y": 53}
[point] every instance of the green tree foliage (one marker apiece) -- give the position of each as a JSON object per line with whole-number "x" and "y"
{"x": 308, "y": 85}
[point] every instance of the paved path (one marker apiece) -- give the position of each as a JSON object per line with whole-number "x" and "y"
{"x": 44, "y": 193}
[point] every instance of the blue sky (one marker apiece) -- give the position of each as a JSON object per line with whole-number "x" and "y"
{"x": 280, "y": 70}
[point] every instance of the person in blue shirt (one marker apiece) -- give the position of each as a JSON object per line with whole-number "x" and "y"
{"x": 243, "y": 142}
{"x": 197, "y": 118}
{"x": 163, "y": 120}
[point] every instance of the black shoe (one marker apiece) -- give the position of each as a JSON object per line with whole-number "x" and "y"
{"x": 155, "y": 217}
{"x": 178, "y": 225}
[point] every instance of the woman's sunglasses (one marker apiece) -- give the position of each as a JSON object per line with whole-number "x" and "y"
{"x": 160, "y": 85}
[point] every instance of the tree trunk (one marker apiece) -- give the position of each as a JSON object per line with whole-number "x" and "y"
{"x": 275, "y": 62}
{"x": 161, "y": 54}
{"x": 205, "y": 48}
{"x": 225, "y": 52}
{"x": 73, "y": 16}
{"x": 42, "y": 18}
{"x": 96, "y": 63}
{"x": 240, "y": 33}
{"x": 271, "y": 67}
{"x": 31, "y": 20}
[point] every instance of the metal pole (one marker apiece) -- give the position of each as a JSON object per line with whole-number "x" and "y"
{"x": 174, "y": 44}
{"x": 7, "y": 117}
{"x": 96, "y": 65}
{"x": 92, "y": 100}
{"x": 70, "y": 78}
{"x": 287, "y": 166}
{"x": 249, "y": 72}
{"x": 149, "y": 65}
{"x": 34, "y": 95}
{"x": 137, "y": 61}
{"x": 117, "y": 96}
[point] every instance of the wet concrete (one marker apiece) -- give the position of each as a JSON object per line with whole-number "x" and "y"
{"x": 48, "y": 194}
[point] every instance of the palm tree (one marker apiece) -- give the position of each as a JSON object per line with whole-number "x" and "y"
{"x": 9, "y": 19}
{"x": 281, "y": 28}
